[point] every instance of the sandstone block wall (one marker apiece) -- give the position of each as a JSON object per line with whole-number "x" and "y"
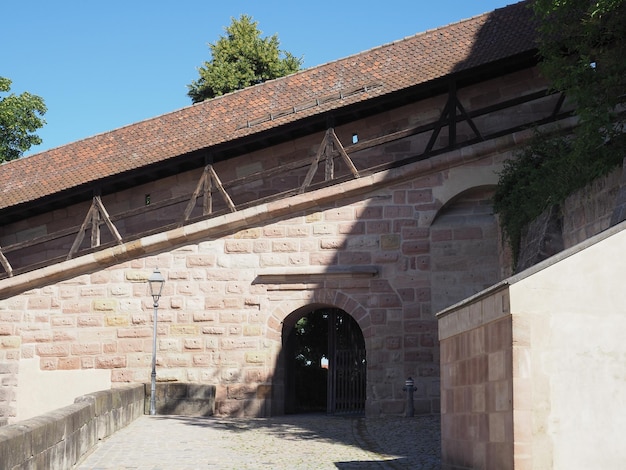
{"x": 530, "y": 367}
{"x": 182, "y": 399}
{"x": 426, "y": 229}
{"x": 477, "y": 385}
{"x": 61, "y": 438}
{"x": 220, "y": 317}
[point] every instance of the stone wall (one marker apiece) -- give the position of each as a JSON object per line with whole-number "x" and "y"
{"x": 532, "y": 368}
{"x": 477, "y": 385}
{"x": 590, "y": 210}
{"x": 182, "y": 399}
{"x": 389, "y": 248}
{"x": 582, "y": 215}
{"x": 61, "y": 438}
{"x": 226, "y": 296}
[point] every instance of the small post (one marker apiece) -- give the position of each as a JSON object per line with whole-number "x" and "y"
{"x": 409, "y": 388}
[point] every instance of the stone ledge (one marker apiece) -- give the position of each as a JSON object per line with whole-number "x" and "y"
{"x": 61, "y": 438}
{"x": 182, "y": 399}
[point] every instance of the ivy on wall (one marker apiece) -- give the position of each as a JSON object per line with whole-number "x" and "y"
{"x": 582, "y": 46}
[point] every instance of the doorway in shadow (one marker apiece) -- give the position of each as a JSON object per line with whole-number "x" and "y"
{"x": 325, "y": 364}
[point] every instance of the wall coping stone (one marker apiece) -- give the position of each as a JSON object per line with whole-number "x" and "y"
{"x": 61, "y": 438}
{"x": 504, "y": 284}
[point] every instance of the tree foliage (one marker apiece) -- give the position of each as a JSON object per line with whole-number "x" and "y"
{"x": 20, "y": 116}
{"x": 582, "y": 48}
{"x": 240, "y": 59}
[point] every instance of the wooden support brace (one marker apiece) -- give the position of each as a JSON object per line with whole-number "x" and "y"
{"x": 450, "y": 116}
{"x": 558, "y": 105}
{"x": 5, "y": 263}
{"x": 220, "y": 188}
{"x": 469, "y": 120}
{"x": 328, "y": 158}
{"x": 107, "y": 220}
{"x": 95, "y": 214}
{"x": 205, "y": 187}
{"x": 326, "y": 150}
{"x": 344, "y": 155}
{"x": 314, "y": 163}
{"x": 202, "y": 183}
{"x": 443, "y": 118}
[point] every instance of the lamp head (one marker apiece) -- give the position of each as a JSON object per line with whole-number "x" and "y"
{"x": 156, "y": 281}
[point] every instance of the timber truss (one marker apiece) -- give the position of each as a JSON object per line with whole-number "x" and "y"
{"x": 341, "y": 162}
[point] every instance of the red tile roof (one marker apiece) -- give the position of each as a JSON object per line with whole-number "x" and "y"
{"x": 385, "y": 69}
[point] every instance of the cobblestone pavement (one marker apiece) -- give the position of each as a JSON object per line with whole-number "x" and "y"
{"x": 286, "y": 442}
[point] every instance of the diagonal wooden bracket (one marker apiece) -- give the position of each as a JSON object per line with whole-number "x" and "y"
{"x": 204, "y": 187}
{"x": 344, "y": 155}
{"x": 5, "y": 263}
{"x": 96, "y": 215}
{"x": 451, "y": 113}
{"x": 325, "y": 152}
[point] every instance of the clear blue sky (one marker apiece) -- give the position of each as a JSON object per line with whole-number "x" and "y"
{"x": 100, "y": 65}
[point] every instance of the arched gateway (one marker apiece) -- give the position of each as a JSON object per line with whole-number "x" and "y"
{"x": 324, "y": 361}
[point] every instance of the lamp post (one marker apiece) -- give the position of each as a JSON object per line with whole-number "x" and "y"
{"x": 155, "y": 281}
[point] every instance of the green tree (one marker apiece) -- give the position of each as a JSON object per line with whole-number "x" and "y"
{"x": 20, "y": 116}
{"x": 582, "y": 45}
{"x": 240, "y": 59}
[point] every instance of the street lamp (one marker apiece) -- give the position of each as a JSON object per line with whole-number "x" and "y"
{"x": 155, "y": 281}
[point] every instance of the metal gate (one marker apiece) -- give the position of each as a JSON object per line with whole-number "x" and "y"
{"x": 347, "y": 365}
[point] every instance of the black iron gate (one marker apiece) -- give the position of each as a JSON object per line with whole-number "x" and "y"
{"x": 347, "y": 364}
{"x": 348, "y": 382}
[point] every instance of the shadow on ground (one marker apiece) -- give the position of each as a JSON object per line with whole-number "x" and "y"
{"x": 398, "y": 442}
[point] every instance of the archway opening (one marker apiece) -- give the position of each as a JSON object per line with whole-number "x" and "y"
{"x": 325, "y": 364}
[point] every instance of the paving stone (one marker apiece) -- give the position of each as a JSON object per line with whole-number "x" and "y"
{"x": 314, "y": 441}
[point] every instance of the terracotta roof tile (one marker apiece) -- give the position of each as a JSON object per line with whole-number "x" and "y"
{"x": 385, "y": 69}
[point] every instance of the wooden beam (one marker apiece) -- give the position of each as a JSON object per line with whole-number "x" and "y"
{"x": 81, "y": 233}
{"x": 314, "y": 163}
{"x": 344, "y": 155}
{"x": 205, "y": 188}
{"x": 95, "y": 214}
{"x": 452, "y": 113}
{"x": 220, "y": 188}
{"x": 329, "y": 161}
{"x": 5, "y": 264}
{"x": 194, "y": 197}
{"x": 107, "y": 220}
{"x": 443, "y": 118}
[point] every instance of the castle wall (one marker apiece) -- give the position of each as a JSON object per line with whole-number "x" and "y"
{"x": 220, "y": 315}
{"x": 426, "y": 228}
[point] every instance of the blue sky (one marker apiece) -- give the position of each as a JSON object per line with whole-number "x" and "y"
{"x": 102, "y": 65}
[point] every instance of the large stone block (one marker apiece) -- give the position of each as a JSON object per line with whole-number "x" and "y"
{"x": 183, "y": 399}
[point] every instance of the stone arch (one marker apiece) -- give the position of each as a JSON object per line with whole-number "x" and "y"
{"x": 466, "y": 252}
{"x": 281, "y": 324}
{"x": 320, "y": 297}
{"x": 463, "y": 179}
{"x": 483, "y": 192}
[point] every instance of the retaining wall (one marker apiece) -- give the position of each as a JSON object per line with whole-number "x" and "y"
{"x": 182, "y": 399}
{"x": 60, "y": 438}
{"x": 533, "y": 368}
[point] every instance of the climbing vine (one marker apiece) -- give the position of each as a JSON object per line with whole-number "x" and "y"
{"x": 582, "y": 45}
